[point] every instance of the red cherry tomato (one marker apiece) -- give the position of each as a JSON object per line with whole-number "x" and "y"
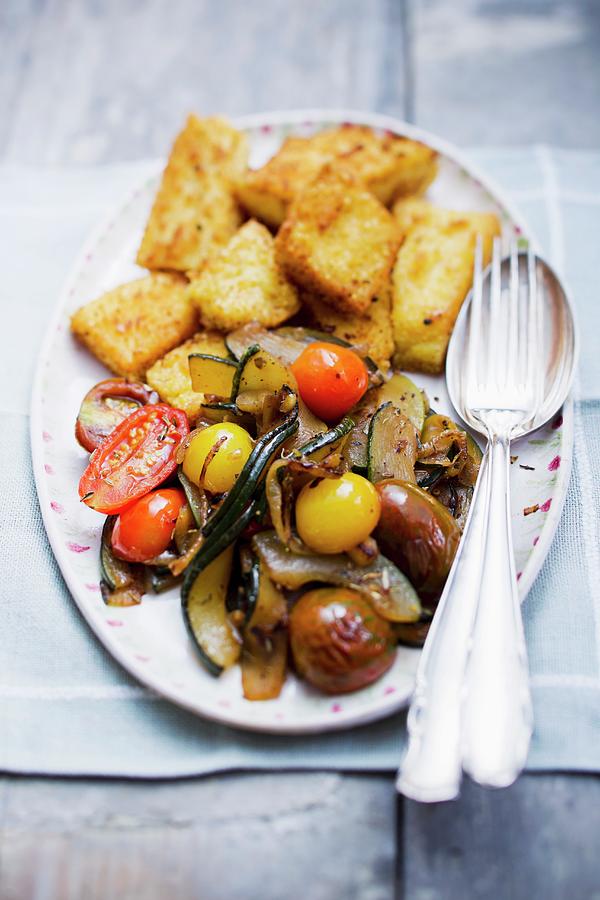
{"x": 137, "y": 456}
{"x": 331, "y": 379}
{"x": 145, "y": 529}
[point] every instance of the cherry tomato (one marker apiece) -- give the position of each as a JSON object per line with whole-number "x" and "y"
{"x": 235, "y": 446}
{"x": 145, "y": 529}
{"x": 137, "y": 456}
{"x": 107, "y": 404}
{"x": 335, "y": 514}
{"x": 331, "y": 379}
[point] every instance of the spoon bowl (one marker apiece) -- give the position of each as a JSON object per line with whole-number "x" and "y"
{"x": 558, "y": 349}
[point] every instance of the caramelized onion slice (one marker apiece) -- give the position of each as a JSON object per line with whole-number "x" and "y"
{"x": 388, "y": 590}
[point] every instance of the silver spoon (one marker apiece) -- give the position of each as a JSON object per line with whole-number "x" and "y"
{"x": 509, "y": 368}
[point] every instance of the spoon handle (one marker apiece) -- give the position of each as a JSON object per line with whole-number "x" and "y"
{"x": 497, "y": 716}
{"x": 431, "y": 769}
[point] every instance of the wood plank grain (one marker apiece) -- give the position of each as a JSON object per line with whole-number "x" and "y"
{"x": 318, "y": 836}
{"x": 536, "y": 839}
{"x": 519, "y": 71}
{"x": 115, "y": 80}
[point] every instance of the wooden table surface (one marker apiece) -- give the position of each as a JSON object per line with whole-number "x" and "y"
{"x": 86, "y": 81}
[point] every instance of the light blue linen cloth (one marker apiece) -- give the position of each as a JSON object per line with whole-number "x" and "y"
{"x": 67, "y": 708}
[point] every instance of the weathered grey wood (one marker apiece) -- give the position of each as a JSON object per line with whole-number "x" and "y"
{"x": 114, "y": 80}
{"x": 537, "y": 839}
{"x": 318, "y": 836}
{"x": 510, "y": 72}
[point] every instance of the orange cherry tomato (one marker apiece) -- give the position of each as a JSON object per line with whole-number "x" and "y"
{"x": 137, "y": 456}
{"x": 145, "y": 529}
{"x": 331, "y": 379}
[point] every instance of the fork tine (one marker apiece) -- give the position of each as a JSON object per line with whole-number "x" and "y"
{"x": 534, "y": 328}
{"x": 515, "y": 350}
{"x": 475, "y": 311}
{"x": 493, "y": 359}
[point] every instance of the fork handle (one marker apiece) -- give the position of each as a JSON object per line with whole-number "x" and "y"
{"x": 431, "y": 769}
{"x": 497, "y": 715}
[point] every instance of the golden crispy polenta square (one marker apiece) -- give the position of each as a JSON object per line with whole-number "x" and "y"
{"x": 431, "y": 278}
{"x": 371, "y": 332}
{"x": 414, "y": 211}
{"x": 244, "y": 283}
{"x": 339, "y": 241}
{"x": 135, "y": 324}
{"x": 386, "y": 164}
{"x": 195, "y": 211}
{"x": 266, "y": 193}
{"x": 170, "y": 376}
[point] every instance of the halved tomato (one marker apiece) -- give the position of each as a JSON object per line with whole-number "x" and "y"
{"x": 138, "y": 455}
{"x": 107, "y": 404}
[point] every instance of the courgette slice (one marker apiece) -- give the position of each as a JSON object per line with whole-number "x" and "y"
{"x": 211, "y": 374}
{"x": 248, "y": 480}
{"x": 261, "y": 371}
{"x": 247, "y": 355}
{"x": 355, "y": 448}
{"x": 161, "y": 580}
{"x": 326, "y": 441}
{"x": 264, "y": 649}
{"x": 388, "y": 590}
{"x": 391, "y": 445}
{"x": 218, "y": 542}
{"x": 206, "y": 615}
{"x": 220, "y": 411}
{"x": 405, "y": 396}
{"x": 243, "y": 504}
{"x": 243, "y": 600}
{"x": 122, "y": 583}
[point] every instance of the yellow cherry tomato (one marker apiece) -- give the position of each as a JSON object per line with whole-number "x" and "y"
{"x": 336, "y": 514}
{"x": 227, "y": 463}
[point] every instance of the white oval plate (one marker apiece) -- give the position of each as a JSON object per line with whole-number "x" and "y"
{"x": 150, "y": 640}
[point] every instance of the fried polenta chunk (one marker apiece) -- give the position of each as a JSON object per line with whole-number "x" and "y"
{"x": 244, "y": 283}
{"x": 371, "y": 332}
{"x": 388, "y": 165}
{"x": 195, "y": 211}
{"x": 414, "y": 211}
{"x": 431, "y": 278}
{"x": 339, "y": 241}
{"x": 135, "y": 324}
{"x": 170, "y": 376}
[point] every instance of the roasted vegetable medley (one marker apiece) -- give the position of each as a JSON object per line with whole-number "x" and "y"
{"x": 257, "y": 444}
{"x": 300, "y": 519}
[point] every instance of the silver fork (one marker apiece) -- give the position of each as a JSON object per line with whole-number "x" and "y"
{"x": 488, "y": 727}
{"x": 501, "y": 397}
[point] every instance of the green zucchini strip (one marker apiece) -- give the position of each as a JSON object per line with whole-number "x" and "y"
{"x": 205, "y": 614}
{"x": 241, "y": 505}
{"x": 247, "y": 355}
{"x": 327, "y": 438}
{"x": 248, "y": 479}
{"x": 122, "y": 583}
